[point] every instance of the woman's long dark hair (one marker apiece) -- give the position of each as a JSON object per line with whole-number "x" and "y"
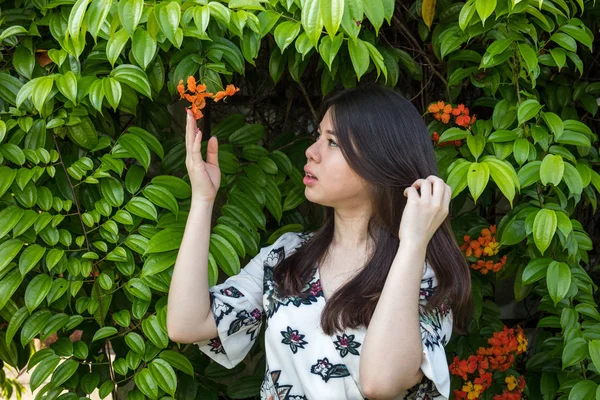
{"x": 385, "y": 141}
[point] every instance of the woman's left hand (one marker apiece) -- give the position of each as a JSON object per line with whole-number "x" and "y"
{"x": 424, "y": 213}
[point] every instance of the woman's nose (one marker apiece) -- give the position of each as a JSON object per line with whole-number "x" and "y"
{"x": 312, "y": 151}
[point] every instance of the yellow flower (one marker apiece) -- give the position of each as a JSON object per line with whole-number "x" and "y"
{"x": 522, "y": 347}
{"x": 511, "y": 381}
{"x": 491, "y": 249}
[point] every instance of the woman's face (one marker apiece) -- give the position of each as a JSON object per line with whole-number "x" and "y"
{"x": 337, "y": 185}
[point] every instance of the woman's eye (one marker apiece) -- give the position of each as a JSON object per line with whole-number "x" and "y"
{"x": 332, "y": 141}
{"x": 317, "y": 135}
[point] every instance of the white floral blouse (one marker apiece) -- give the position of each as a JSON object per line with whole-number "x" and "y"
{"x": 302, "y": 362}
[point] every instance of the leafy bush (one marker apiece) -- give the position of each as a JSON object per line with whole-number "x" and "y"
{"x": 94, "y": 197}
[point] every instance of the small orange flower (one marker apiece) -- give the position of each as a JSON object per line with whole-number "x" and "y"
{"x": 230, "y": 90}
{"x": 191, "y": 83}
{"x": 462, "y": 115}
{"x": 196, "y": 94}
{"x": 441, "y": 111}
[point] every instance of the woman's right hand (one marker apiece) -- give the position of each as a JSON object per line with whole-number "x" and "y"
{"x": 205, "y": 177}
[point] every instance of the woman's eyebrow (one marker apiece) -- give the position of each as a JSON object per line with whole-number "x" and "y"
{"x": 326, "y": 131}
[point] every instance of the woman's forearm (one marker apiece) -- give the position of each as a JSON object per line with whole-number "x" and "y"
{"x": 189, "y": 303}
{"x": 392, "y": 353}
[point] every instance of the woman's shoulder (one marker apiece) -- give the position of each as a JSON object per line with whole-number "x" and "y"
{"x": 285, "y": 245}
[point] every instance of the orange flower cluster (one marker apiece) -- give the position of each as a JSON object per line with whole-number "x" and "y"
{"x": 443, "y": 112}
{"x": 436, "y": 140}
{"x": 499, "y": 356}
{"x": 485, "y": 245}
{"x": 197, "y": 94}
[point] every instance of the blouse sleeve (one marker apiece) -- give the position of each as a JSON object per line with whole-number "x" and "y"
{"x": 436, "y": 330}
{"x": 237, "y": 306}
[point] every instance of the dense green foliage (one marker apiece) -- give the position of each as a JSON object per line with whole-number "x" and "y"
{"x": 94, "y": 197}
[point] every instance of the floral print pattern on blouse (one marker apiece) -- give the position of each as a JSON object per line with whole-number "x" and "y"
{"x": 303, "y": 363}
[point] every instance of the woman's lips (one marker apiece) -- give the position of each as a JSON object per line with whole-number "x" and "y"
{"x": 309, "y": 181}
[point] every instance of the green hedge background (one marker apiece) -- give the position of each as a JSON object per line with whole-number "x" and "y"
{"x": 94, "y": 194}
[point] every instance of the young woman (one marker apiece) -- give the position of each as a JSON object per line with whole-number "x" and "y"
{"x": 361, "y": 308}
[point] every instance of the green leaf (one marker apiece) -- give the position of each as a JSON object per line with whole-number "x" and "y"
{"x": 24, "y": 61}
{"x": 137, "y": 148}
{"x": 505, "y": 177}
{"x": 146, "y": 383}
{"x": 130, "y": 13}
{"x": 138, "y": 289}
{"x": 122, "y": 318}
{"x": 529, "y": 55}
{"x": 34, "y": 325}
{"x": 9, "y": 285}
{"x": 143, "y": 47}
{"x": 554, "y": 122}
{"x": 478, "y": 176}
{"x": 134, "y": 77}
{"x": 64, "y": 371}
{"x": 133, "y": 178}
{"x": 573, "y": 179}
{"x": 9, "y": 218}
{"x": 76, "y": 17}
{"x": 178, "y": 361}
{"x": 115, "y": 45}
{"x": 41, "y": 90}
{"x": 584, "y": 389}
{"x": 153, "y": 331}
{"x": 158, "y": 262}
{"x": 552, "y": 169}
{"x": 476, "y": 144}
{"x": 575, "y": 351}
{"x": 527, "y": 110}
{"x": 164, "y": 375}
{"x": 112, "y": 91}
{"x": 67, "y": 85}
{"x": 544, "y": 227}
{"x": 285, "y": 33}
{"x": 8, "y": 251}
{"x": 359, "y": 55}
{"x": 565, "y": 41}
{"x": 485, "y": 8}
{"x": 375, "y": 13}
{"x": 149, "y": 139}
{"x": 83, "y": 134}
{"x": 55, "y": 322}
{"x": 202, "y": 17}
{"x": 180, "y": 188}
{"x": 225, "y": 254}
{"x": 168, "y": 16}
{"x": 96, "y": 15}
{"x": 43, "y": 371}
{"x": 104, "y": 332}
{"x": 37, "y": 290}
{"x": 594, "y": 349}
{"x": 142, "y": 207}
{"x": 96, "y": 95}
{"x": 165, "y": 240}
{"x": 311, "y": 20}
{"x": 15, "y": 323}
{"x": 331, "y": 13}
{"x": 112, "y": 191}
{"x": 535, "y": 270}
{"x": 7, "y": 176}
{"x": 135, "y": 342}
{"x": 12, "y": 30}
{"x": 452, "y": 134}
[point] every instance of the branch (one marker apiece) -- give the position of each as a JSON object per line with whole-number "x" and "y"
{"x": 87, "y": 243}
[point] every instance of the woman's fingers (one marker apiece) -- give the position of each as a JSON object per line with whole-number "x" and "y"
{"x": 212, "y": 151}
{"x": 425, "y": 188}
{"x": 196, "y": 156}
{"x": 190, "y": 131}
